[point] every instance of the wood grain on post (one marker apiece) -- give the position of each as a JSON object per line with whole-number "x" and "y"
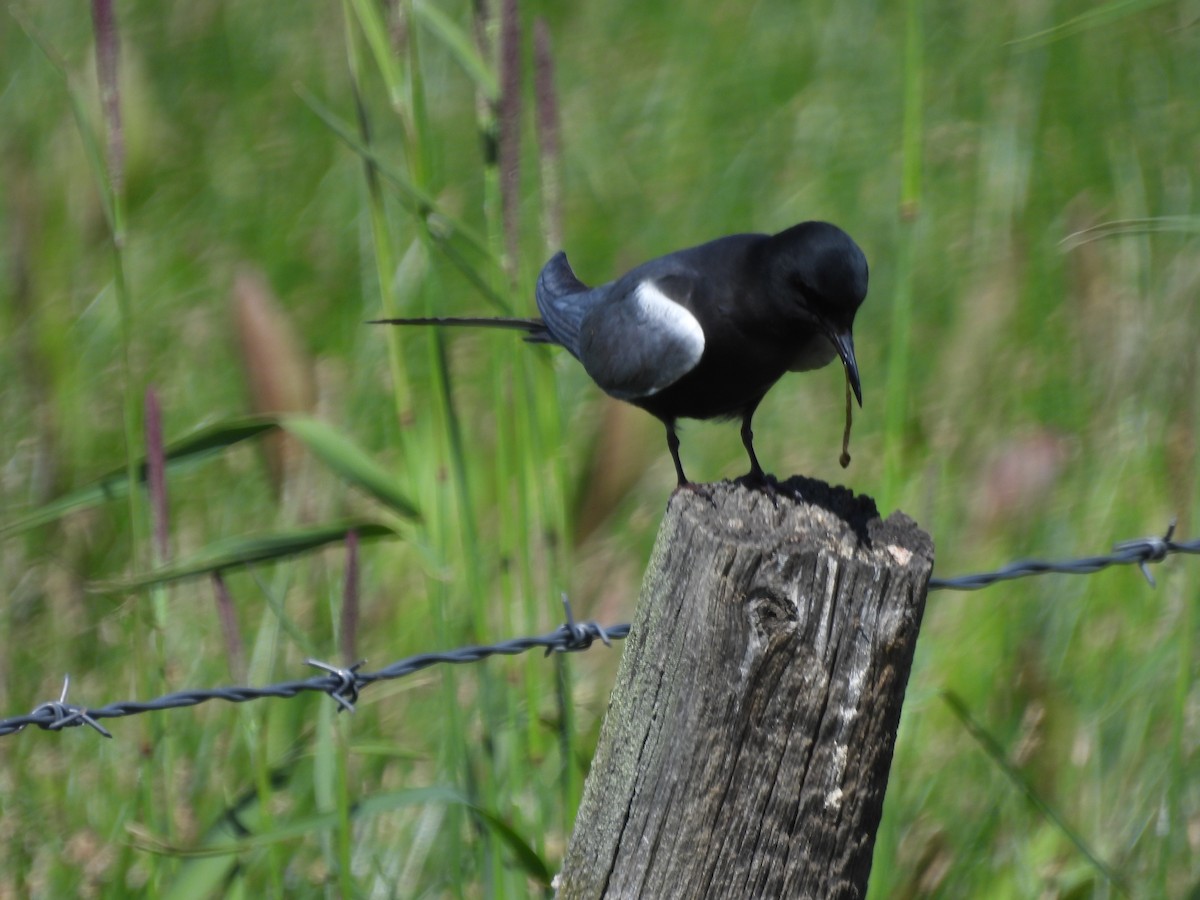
{"x": 748, "y": 738}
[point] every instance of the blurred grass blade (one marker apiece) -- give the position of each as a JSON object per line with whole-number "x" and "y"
{"x": 914, "y": 101}
{"x": 899, "y": 352}
{"x": 348, "y": 624}
{"x": 370, "y": 19}
{"x": 1126, "y": 227}
{"x": 349, "y": 461}
{"x": 91, "y": 143}
{"x": 187, "y": 451}
{"x": 235, "y": 647}
{"x": 548, "y": 133}
{"x": 415, "y": 199}
{"x": 296, "y": 828}
{"x": 441, "y": 227}
{"x": 213, "y": 439}
{"x": 509, "y": 146}
{"x": 327, "y": 445}
{"x": 996, "y": 753}
{"x": 243, "y": 551}
{"x": 459, "y": 45}
{"x": 1093, "y": 18}
{"x": 527, "y": 858}
{"x": 156, "y": 475}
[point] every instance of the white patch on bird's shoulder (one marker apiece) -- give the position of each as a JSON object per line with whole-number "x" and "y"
{"x": 684, "y": 338}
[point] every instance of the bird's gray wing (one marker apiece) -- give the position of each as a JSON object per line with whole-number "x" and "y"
{"x": 642, "y": 337}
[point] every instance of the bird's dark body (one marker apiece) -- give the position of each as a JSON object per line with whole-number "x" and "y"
{"x": 727, "y": 376}
{"x": 704, "y": 333}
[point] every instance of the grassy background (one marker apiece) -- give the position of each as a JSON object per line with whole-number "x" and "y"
{"x": 1026, "y": 393}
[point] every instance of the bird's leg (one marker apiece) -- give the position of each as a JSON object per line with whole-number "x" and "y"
{"x": 756, "y": 477}
{"x": 756, "y": 473}
{"x": 684, "y": 484}
{"x": 673, "y": 446}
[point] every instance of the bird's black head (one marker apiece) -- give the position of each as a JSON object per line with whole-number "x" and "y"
{"x": 818, "y": 275}
{"x": 818, "y": 267}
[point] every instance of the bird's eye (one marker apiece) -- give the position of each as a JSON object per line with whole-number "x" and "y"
{"x": 809, "y": 296}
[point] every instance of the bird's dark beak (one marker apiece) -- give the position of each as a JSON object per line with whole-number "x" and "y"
{"x": 844, "y": 344}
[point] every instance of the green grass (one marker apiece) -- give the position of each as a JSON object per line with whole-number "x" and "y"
{"x": 1025, "y": 394}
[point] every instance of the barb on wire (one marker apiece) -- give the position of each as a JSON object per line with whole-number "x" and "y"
{"x": 342, "y": 684}
{"x": 59, "y": 714}
{"x": 582, "y": 636}
{"x": 1140, "y": 552}
{"x": 346, "y": 690}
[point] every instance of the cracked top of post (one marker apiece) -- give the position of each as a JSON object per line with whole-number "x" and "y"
{"x": 801, "y": 504}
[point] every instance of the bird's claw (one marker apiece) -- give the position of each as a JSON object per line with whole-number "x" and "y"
{"x": 700, "y": 490}
{"x": 757, "y": 480}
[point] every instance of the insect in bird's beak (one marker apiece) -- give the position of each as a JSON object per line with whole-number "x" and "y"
{"x": 844, "y": 344}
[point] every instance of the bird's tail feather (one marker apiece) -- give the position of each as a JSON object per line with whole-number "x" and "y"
{"x": 561, "y": 301}
{"x": 534, "y": 328}
{"x": 557, "y": 280}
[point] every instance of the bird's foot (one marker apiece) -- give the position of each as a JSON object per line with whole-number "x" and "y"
{"x": 700, "y": 490}
{"x": 758, "y": 480}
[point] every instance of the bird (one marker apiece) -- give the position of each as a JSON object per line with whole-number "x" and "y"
{"x": 704, "y": 332}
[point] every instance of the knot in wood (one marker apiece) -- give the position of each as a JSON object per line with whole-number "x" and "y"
{"x": 771, "y": 615}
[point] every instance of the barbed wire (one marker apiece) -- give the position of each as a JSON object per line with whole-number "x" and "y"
{"x": 1139, "y": 551}
{"x": 344, "y": 684}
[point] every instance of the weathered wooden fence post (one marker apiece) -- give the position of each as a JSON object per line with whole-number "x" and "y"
{"x": 748, "y": 738}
